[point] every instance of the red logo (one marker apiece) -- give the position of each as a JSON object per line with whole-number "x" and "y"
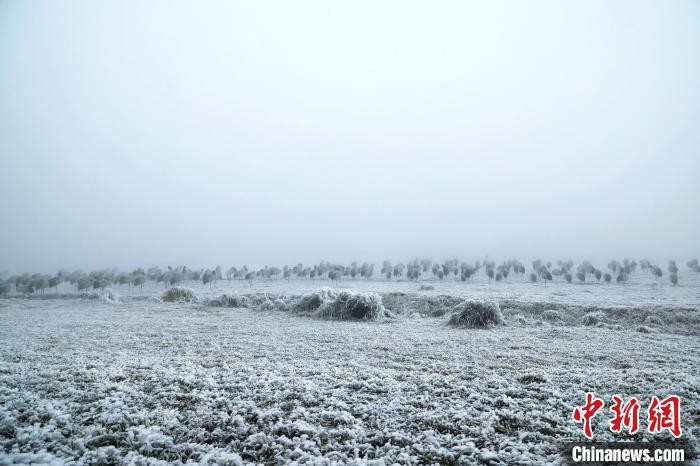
{"x": 665, "y": 415}
{"x": 626, "y": 415}
{"x": 586, "y": 412}
{"x": 661, "y": 415}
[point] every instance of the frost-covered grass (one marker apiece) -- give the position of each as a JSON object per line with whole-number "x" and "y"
{"x": 144, "y": 382}
{"x": 311, "y": 302}
{"x": 229, "y": 300}
{"x": 349, "y": 305}
{"x": 593, "y": 318}
{"x": 476, "y": 314}
{"x": 430, "y": 306}
{"x": 328, "y": 303}
{"x": 654, "y": 320}
{"x": 179, "y": 294}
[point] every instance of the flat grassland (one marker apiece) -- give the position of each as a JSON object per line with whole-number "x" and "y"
{"x": 144, "y": 382}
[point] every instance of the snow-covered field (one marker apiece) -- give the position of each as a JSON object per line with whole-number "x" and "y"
{"x": 138, "y": 381}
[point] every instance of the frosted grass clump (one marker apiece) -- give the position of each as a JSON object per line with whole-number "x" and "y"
{"x": 311, "y": 302}
{"x": 476, "y": 314}
{"x": 110, "y": 296}
{"x": 179, "y": 294}
{"x": 350, "y": 305}
{"x": 267, "y": 304}
{"x": 654, "y": 320}
{"x": 593, "y": 318}
{"x": 229, "y": 300}
{"x": 342, "y": 305}
{"x": 107, "y": 296}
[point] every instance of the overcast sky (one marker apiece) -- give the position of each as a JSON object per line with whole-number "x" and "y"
{"x": 262, "y": 132}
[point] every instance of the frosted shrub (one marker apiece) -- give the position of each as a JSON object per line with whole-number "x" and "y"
{"x": 179, "y": 294}
{"x": 281, "y": 305}
{"x": 551, "y": 315}
{"x": 311, "y": 302}
{"x": 593, "y": 318}
{"x": 348, "y": 305}
{"x": 476, "y": 314}
{"x": 439, "y": 306}
{"x": 265, "y": 304}
{"x": 342, "y": 305}
{"x": 228, "y": 300}
{"x": 268, "y": 304}
{"x": 109, "y": 296}
{"x": 654, "y": 320}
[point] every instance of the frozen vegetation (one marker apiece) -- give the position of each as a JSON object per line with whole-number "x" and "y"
{"x": 179, "y": 294}
{"x": 342, "y": 305}
{"x": 369, "y": 371}
{"x": 476, "y": 314}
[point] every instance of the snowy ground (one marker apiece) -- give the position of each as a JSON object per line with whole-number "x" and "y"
{"x": 139, "y": 381}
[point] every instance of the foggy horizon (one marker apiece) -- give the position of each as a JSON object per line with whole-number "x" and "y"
{"x": 226, "y": 134}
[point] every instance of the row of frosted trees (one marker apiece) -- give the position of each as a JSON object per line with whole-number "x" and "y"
{"x": 453, "y": 269}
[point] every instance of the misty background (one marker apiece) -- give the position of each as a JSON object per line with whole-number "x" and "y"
{"x": 143, "y": 133}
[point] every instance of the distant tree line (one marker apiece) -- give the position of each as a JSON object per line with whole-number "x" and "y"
{"x": 417, "y": 269}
